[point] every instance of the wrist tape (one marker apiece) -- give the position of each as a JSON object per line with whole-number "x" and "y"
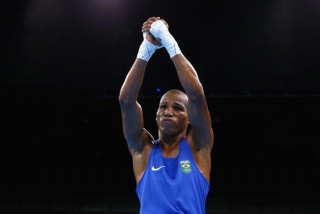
{"x": 160, "y": 31}
{"x": 146, "y": 49}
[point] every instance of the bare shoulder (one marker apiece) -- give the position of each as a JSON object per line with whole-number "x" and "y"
{"x": 140, "y": 158}
{"x": 201, "y": 154}
{"x": 145, "y": 139}
{"x": 200, "y": 144}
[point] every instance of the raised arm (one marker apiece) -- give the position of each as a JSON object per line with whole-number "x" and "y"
{"x": 138, "y": 139}
{"x": 131, "y": 111}
{"x": 198, "y": 113}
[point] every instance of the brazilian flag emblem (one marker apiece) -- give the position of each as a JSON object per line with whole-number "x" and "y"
{"x": 185, "y": 166}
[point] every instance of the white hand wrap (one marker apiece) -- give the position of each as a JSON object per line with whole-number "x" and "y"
{"x": 160, "y": 31}
{"x": 146, "y": 49}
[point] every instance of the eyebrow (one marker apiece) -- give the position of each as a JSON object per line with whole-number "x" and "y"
{"x": 175, "y": 103}
{"x": 178, "y": 104}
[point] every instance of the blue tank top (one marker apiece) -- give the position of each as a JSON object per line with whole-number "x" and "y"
{"x": 172, "y": 185}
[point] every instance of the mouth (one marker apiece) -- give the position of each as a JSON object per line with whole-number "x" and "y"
{"x": 167, "y": 121}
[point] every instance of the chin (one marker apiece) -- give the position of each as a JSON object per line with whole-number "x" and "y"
{"x": 168, "y": 132}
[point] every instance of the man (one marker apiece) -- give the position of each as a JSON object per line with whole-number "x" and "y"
{"x": 172, "y": 172}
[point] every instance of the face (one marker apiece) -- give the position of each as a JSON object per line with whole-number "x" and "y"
{"x": 172, "y": 118}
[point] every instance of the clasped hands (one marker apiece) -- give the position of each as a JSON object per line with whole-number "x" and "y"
{"x": 150, "y": 30}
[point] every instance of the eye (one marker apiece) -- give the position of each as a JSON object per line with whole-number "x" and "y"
{"x": 177, "y": 108}
{"x": 162, "y": 106}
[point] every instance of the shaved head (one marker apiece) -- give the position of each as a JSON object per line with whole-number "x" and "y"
{"x": 178, "y": 92}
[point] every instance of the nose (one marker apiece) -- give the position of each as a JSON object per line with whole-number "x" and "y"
{"x": 168, "y": 112}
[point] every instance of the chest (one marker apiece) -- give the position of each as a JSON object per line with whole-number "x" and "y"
{"x": 170, "y": 153}
{"x": 174, "y": 164}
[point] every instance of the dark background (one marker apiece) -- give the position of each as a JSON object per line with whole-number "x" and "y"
{"x": 63, "y": 63}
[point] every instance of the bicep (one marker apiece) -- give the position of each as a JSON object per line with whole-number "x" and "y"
{"x": 132, "y": 123}
{"x": 200, "y": 120}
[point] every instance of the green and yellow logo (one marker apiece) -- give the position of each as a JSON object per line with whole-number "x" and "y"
{"x": 185, "y": 166}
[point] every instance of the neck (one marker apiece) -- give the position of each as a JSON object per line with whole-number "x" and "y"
{"x": 170, "y": 138}
{"x": 170, "y": 143}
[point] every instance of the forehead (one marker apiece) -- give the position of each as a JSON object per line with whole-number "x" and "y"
{"x": 171, "y": 97}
